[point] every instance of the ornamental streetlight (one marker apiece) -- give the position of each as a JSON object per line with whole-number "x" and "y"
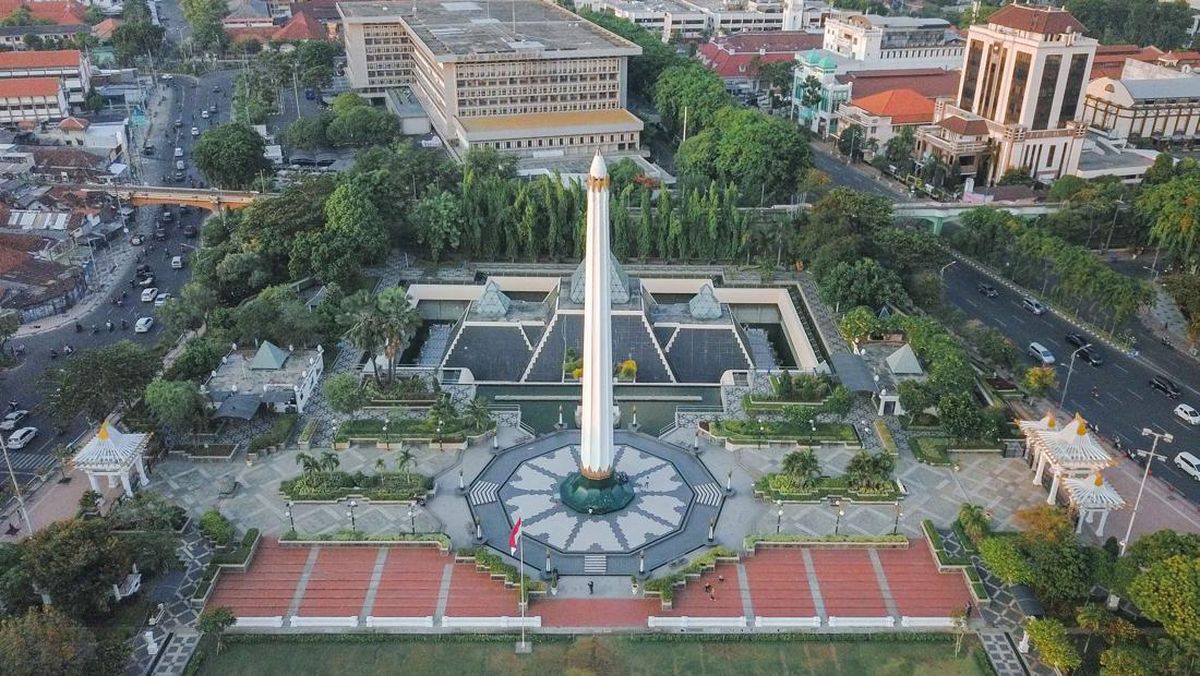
{"x": 778, "y": 516}
{"x": 291, "y": 517}
{"x": 896, "y": 525}
{"x": 412, "y": 520}
{"x": 837, "y": 525}
{"x": 1151, "y": 456}
{"x": 353, "y": 524}
{"x": 1070, "y": 369}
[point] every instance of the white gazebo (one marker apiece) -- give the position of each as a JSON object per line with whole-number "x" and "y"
{"x": 1070, "y": 451}
{"x": 1092, "y": 496}
{"x": 113, "y": 455}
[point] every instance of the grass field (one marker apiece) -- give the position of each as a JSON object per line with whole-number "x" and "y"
{"x": 600, "y": 656}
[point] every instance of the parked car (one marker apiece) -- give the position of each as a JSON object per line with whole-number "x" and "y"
{"x": 143, "y": 325}
{"x": 145, "y": 280}
{"x": 1033, "y": 306}
{"x": 1185, "y": 461}
{"x": 161, "y": 299}
{"x": 178, "y": 124}
{"x": 1165, "y": 385}
{"x": 177, "y": 263}
{"x": 149, "y": 294}
{"x": 1187, "y": 414}
{"x": 195, "y": 131}
{"x": 22, "y": 437}
{"x": 160, "y": 235}
{"x": 142, "y": 269}
{"x": 137, "y": 240}
{"x": 189, "y": 231}
{"x": 167, "y": 216}
{"x": 987, "y": 290}
{"x": 204, "y": 114}
{"x": 1041, "y": 354}
{"x": 10, "y": 421}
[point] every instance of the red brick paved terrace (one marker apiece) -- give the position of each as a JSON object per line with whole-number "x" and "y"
{"x": 693, "y": 601}
{"x": 266, "y": 587}
{"x": 608, "y": 613}
{"x": 410, "y": 583}
{"x": 779, "y": 584}
{"x": 474, "y": 593}
{"x": 917, "y": 586}
{"x": 338, "y": 584}
{"x": 848, "y": 584}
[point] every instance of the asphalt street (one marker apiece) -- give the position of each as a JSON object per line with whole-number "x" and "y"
{"x": 1126, "y": 404}
{"x": 20, "y": 383}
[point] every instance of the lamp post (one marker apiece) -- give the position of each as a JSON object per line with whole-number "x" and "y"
{"x": 837, "y": 525}
{"x": 762, "y": 432}
{"x": 1063, "y": 396}
{"x": 942, "y": 272}
{"x": 291, "y": 517}
{"x": 385, "y": 436}
{"x": 441, "y": 444}
{"x": 412, "y": 521}
{"x": 1151, "y": 456}
{"x": 353, "y": 523}
{"x": 16, "y": 487}
{"x": 778, "y": 516}
{"x": 1113, "y": 226}
{"x": 896, "y": 525}
{"x": 462, "y": 487}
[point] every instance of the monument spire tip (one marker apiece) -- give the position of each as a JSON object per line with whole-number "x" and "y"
{"x": 599, "y": 168}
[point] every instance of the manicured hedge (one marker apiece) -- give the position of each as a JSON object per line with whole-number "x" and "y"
{"x": 750, "y": 540}
{"x": 931, "y": 450}
{"x": 238, "y": 556}
{"x": 453, "y": 429}
{"x": 747, "y": 431}
{"x": 337, "y": 485}
{"x": 497, "y": 566}
{"x": 665, "y": 586}
{"x": 346, "y": 535}
{"x": 281, "y": 431}
{"x": 779, "y": 486}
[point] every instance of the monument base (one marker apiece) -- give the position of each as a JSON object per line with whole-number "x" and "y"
{"x": 595, "y": 496}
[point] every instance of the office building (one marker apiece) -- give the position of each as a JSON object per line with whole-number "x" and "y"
{"x": 68, "y": 65}
{"x": 521, "y": 76}
{"x": 31, "y": 100}
{"x": 1019, "y": 99}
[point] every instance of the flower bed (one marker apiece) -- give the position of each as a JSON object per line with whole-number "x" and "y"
{"x": 337, "y": 485}
{"x": 352, "y": 536}
{"x": 238, "y": 558}
{"x": 496, "y": 566}
{"x": 885, "y": 437}
{"x": 961, "y": 562}
{"x": 752, "y": 542}
{"x": 783, "y": 487}
{"x": 747, "y": 432}
{"x": 665, "y": 586}
{"x": 281, "y": 431}
{"x": 931, "y": 450}
{"x": 207, "y": 451}
{"x": 307, "y": 434}
{"x": 454, "y": 430}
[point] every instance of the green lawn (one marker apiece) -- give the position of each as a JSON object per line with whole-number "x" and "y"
{"x": 606, "y": 655}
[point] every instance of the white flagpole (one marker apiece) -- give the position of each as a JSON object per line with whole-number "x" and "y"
{"x": 524, "y": 596}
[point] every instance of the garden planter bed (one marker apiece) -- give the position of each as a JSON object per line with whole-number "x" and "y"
{"x": 214, "y": 452}
{"x": 736, "y": 443}
{"x": 355, "y": 539}
{"x": 334, "y": 486}
{"x": 753, "y": 542}
{"x": 826, "y": 488}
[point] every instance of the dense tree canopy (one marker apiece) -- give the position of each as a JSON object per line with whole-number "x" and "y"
{"x": 97, "y": 382}
{"x": 763, "y": 156}
{"x": 1139, "y": 22}
{"x": 231, "y": 155}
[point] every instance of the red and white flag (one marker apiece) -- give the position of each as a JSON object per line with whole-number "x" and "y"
{"x": 513, "y": 536}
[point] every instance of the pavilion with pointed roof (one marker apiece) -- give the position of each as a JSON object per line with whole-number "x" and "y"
{"x": 1069, "y": 452}
{"x": 1092, "y": 496}
{"x": 114, "y": 455}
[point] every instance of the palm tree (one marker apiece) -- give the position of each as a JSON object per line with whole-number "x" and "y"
{"x": 329, "y": 461}
{"x": 974, "y": 522}
{"x": 404, "y": 459}
{"x": 870, "y": 472}
{"x": 803, "y": 467}
{"x": 380, "y": 465}
{"x": 399, "y": 321}
{"x": 308, "y": 463}
{"x": 479, "y": 414}
{"x": 367, "y": 330}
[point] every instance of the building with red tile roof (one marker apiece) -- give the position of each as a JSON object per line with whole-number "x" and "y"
{"x": 105, "y": 29}
{"x": 1036, "y": 20}
{"x": 60, "y": 13}
{"x": 736, "y": 57}
{"x": 302, "y": 26}
{"x": 32, "y": 99}
{"x": 881, "y": 116}
{"x": 928, "y": 82}
{"x": 70, "y": 66}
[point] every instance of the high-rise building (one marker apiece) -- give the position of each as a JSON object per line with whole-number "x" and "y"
{"x": 521, "y": 76}
{"x": 1019, "y": 98}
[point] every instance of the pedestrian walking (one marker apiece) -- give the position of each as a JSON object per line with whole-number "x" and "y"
{"x": 591, "y": 587}
{"x": 712, "y": 597}
{"x": 708, "y": 588}
{"x": 720, "y": 578}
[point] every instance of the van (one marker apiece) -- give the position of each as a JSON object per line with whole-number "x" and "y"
{"x": 1041, "y": 354}
{"x": 177, "y": 263}
{"x": 178, "y": 153}
{"x": 1033, "y": 306}
{"x": 179, "y": 166}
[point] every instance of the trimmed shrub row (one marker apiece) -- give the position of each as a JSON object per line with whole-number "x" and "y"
{"x": 665, "y": 586}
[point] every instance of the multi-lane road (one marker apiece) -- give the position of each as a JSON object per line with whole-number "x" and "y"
{"x": 20, "y": 384}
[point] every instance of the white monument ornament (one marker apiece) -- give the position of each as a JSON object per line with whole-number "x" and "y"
{"x": 594, "y": 489}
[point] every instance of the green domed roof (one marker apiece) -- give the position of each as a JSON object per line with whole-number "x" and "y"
{"x": 828, "y": 62}
{"x": 812, "y": 57}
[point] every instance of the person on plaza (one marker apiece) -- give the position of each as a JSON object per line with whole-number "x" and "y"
{"x": 591, "y": 587}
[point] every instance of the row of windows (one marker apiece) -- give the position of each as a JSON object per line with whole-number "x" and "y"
{"x": 510, "y": 109}
{"x": 502, "y": 92}
{"x": 465, "y": 102}
{"x": 527, "y": 80}
{"x": 538, "y": 66}
{"x": 625, "y": 141}
{"x": 919, "y": 53}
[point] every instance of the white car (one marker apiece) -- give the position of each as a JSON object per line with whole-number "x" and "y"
{"x": 204, "y": 114}
{"x": 1188, "y": 414}
{"x": 144, "y": 325}
{"x": 161, "y": 299}
{"x": 149, "y": 294}
{"x": 1189, "y": 463}
{"x": 195, "y": 131}
{"x": 23, "y": 436}
{"x": 10, "y": 421}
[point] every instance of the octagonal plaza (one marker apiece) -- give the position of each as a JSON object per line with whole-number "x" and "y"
{"x": 675, "y": 499}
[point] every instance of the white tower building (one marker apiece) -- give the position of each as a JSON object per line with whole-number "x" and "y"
{"x": 596, "y": 441}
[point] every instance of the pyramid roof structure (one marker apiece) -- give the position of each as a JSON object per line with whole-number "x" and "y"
{"x": 269, "y": 357}
{"x": 903, "y": 362}
{"x": 493, "y": 304}
{"x": 1073, "y": 445}
{"x": 1094, "y": 492}
{"x": 111, "y": 450}
{"x": 704, "y": 305}
{"x": 618, "y": 282}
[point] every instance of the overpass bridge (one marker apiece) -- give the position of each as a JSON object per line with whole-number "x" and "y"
{"x": 937, "y": 213}
{"x": 204, "y": 198}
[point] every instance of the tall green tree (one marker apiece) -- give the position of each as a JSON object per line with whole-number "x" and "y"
{"x": 441, "y": 215}
{"x": 45, "y": 641}
{"x": 76, "y": 562}
{"x": 177, "y": 404}
{"x": 231, "y": 155}
{"x": 97, "y": 382}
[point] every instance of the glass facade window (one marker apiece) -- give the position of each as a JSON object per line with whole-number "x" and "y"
{"x": 1016, "y": 93}
{"x": 971, "y": 75}
{"x": 1070, "y": 104}
{"x": 991, "y": 87}
{"x": 1045, "y": 95}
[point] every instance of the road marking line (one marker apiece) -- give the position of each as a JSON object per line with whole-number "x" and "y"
{"x": 999, "y": 322}
{"x": 1135, "y": 394}
{"x": 970, "y": 302}
{"x": 1120, "y": 368}
{"x": 1183, "y": 424}
{"x": 1114, "y": 397}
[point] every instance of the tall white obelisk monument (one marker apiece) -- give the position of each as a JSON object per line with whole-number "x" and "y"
{"x": 596, "y": 441}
